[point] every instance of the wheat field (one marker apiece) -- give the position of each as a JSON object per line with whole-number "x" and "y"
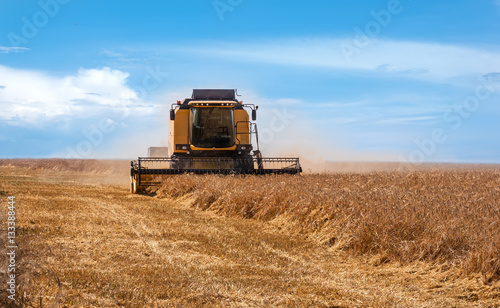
{"x": 425, "y": 238}
{"x": 450, "y": 217}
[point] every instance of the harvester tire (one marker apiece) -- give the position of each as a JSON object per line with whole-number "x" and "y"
{"x": 133, "y": 186}
{"x": 243, "y": 164}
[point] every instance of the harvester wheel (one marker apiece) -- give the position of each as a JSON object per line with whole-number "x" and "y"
{"x": 133, "y": 185}
{"x": 243, "y": 164}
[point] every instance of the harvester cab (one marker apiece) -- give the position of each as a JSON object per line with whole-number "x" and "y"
{"x": 211, "y": 132}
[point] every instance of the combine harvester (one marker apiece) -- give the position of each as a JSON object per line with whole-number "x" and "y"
{"x": 210, "y": 133}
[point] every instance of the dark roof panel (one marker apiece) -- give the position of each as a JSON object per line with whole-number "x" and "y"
{"x": 215, "y": 94}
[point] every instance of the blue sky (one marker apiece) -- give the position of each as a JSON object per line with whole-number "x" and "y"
{"x": 372, "y": 80}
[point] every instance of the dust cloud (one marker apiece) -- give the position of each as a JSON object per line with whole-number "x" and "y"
{"x": 330, "y": 151}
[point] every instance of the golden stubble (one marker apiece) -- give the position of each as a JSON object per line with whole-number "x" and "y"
{"x": 312, "y": 241}
{"x": 444, "y": 216}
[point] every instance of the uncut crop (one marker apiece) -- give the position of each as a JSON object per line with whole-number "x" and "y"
{"x": 77, "y": 165}
{"x": 448, "y": 217}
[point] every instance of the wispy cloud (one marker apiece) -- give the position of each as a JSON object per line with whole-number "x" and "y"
{"x": 406, "y": 58}
{"x": 406, "y": 120}
{"x": 4, "y": 49}
{"x": 35, "y": 98}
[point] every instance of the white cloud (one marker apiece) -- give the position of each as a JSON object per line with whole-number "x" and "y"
{"x": 4, "y": 49}
{"x": 410, "y": 59}
{"x": 35, "y": 98}
{"x": 405, "y": 119}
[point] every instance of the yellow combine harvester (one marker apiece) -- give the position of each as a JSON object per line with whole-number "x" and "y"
{"x": 211, "y": 132}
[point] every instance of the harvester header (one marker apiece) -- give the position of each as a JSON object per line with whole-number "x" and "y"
{"x": 211, "y": 132}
